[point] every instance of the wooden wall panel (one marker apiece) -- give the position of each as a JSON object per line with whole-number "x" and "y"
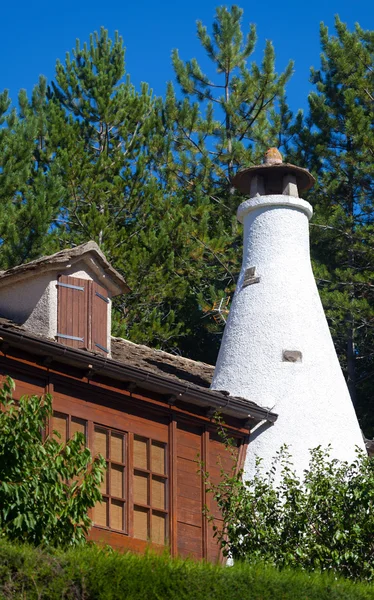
{"x": 219, "y": 458}
{"x": 90, "y": 404}
{"x": 188, "y": 440}
{"x": 189, "y": 492}
{"x": 26, "y": 385}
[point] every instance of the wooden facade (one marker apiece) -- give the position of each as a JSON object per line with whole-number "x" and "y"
{"x": 147, "y": 412}
{"x": 153, "y": 491}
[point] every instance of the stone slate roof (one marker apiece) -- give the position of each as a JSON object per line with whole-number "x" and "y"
{"x": 63, "y": 258}
{"x": 187, "y": 377}
{"x": 162, "y": 363}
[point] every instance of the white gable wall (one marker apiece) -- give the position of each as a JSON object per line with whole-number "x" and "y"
{"x": 32, "y": 303}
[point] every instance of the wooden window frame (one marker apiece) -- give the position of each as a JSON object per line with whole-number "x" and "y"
{"x": 108, "y": 496}
{"x": 151, "y": 475}
{"x": 68, "y": 428}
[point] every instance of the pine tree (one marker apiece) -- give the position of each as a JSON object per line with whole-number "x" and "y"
{"x": 31, "y": 193}
{"x": 237, "y": 115}
{"x": 103, "y": 144}
{"x": 337, "y": 143}
{"x": 108, "y": 144}
{"x": 223, "y": 122}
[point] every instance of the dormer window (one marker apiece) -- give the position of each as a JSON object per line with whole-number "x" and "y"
{"x": 66, "y": 297}
{"x": 82, "y": 314}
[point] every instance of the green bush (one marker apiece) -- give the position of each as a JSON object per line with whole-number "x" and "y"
{"x": 321, "y": 521}
{"x": 46, "y": 487}
{"x": 92, "y": 574}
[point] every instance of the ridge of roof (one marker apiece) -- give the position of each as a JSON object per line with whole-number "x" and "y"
{"x": 63, "y": 257}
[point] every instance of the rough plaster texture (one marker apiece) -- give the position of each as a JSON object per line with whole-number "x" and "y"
{"x": 282, "y": 312}
{"x": 33, "y": 302}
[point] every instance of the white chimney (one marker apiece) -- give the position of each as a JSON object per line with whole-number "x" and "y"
{"x": 277, "y": 349}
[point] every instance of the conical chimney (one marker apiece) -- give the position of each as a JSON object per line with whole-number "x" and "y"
{"x": 277, "y": 349}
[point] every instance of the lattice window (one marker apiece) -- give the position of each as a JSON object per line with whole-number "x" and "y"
{"x": 150, "y": 490}
{"x": 66, "y": 426}
{"x": 111, "y": 512}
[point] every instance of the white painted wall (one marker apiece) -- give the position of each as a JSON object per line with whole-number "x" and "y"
{"x": 284, "y": 312}
{"x": 31, "y": 303}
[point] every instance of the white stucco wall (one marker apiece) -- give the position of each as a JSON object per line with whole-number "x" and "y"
{"x": 284, "y": 312}
{"x": 32, "y": 303}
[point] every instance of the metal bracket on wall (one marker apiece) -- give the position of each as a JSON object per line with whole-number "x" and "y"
{"x": 69, "y": 337}
{"x": 250, "y": 277}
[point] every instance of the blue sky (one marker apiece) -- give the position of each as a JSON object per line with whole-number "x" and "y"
{"x": 35, "y": 34}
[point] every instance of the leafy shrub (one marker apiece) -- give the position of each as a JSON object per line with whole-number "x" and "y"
{"x": 46, "y": 487}
{"x": 92, "y": 574}
{"x": 321, "y": 521}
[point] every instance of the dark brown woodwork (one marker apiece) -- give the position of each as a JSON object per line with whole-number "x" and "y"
{"x": 187, "y": 436}
{"x": 99, "y": 325}
{"x": 82, "y": 313}
{"x": 72, "y": 310}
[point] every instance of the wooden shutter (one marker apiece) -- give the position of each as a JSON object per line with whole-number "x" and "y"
{"x": 99, "y": 324}
{"x": 72, "y": 311}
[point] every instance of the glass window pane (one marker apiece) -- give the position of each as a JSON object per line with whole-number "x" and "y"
{"x": 100, "y": 516}
{"x": 158, "y": 492}
{"x": 158, "y": 457}
{"x": 159, "y": 528}
{"x": 140, "y": 453}
{"x": 77, "y": 425}
{"x": 116, "y": 481}
{"x": 117, "y": 510}
{"x": 141, "y": 488}
{"x": 100, "y": 442}
{"x": 104, "y": 483}
{"x": 60, "y": 424}
{"x": 116, "y": 447}
{"x": 141, "y": 523}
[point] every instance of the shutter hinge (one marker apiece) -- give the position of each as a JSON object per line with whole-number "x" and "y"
{"x": 102, "y": 297}
{"x": 71, "y": 286}
{"x": 70, "y": 337}
{"x": 102, "y": 348}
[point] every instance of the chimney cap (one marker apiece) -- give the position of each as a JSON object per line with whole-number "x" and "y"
{"x": 273, "y": 170}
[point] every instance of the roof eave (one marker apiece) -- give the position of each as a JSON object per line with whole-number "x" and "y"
{"x": 229, "y": 405}
{"x": 89, "y": 253}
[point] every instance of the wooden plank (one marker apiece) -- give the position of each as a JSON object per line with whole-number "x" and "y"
{"x": 121, "y": 541}
{"x": 185, "y": 490}
{"x": 190, "y": 518}
{"x": 72, "y": 311}
{"x": 188, "y": 466}
{"x": 190, "y": 541}
{"x": 173, "y": 496}
{"x": 99, "y": 325}
{"x": 205, "y": 458}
